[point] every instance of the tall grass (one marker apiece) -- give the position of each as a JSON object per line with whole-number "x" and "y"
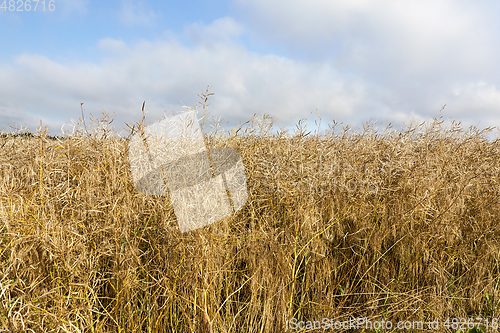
{"x": 401, "y": 226}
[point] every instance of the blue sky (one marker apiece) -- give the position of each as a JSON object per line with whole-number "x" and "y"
{"x": 355, "y": 61}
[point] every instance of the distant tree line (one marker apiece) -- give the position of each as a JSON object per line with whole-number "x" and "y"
{"x": 28, "y": 135}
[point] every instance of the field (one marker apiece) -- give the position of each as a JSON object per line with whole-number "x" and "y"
{"x": 343, "y": 225}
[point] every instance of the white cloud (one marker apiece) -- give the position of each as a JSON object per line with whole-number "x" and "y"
{"x": 221, "y": 30}
{"x": 408, "y": 56}
{"x": 113, "y": 46}
{"x": 366, "y": 34}
{"x": 164, "y": 73}
{"x": 137, "y": 13}
{"x": 354, "y": 61}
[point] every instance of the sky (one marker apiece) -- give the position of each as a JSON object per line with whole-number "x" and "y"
{"x": 350, "y": 61}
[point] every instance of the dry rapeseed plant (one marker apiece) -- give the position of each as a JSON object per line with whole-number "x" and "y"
{"x": 339, "y": 226}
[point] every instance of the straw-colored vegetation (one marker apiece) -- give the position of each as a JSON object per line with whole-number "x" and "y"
{"x": 400, "y": 226}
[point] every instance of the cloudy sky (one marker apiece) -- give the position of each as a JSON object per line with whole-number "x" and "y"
{"x": 355, "y": 61}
